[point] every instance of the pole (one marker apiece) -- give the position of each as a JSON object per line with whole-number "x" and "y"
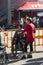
{"x": 19, "y": 15}
{"x": 9, "y": 12}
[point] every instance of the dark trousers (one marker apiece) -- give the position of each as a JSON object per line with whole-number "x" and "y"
{"x": 31, "y": 46}
{"x": 17, "y": 46}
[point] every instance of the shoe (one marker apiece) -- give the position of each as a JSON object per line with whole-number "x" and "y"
{"x": 23, "y": 57}
{"x": 29, "y": 56}
{"x": 30, "y": 53}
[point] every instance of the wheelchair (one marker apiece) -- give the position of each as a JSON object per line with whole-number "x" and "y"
{"x": 2, "y": 55}
{"x": 18, "y": 43}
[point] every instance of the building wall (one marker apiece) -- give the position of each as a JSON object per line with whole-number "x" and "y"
{"x": 3, "y": 9}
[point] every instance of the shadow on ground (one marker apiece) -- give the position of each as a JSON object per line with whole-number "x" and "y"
{"x": 38, "y": 52}
{"x": 37, "y": 61}
{"x": 12, "y": 58}
{"x": 30, "y": 61}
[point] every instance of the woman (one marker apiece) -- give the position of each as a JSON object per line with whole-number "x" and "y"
{"x": 30, "y": 35}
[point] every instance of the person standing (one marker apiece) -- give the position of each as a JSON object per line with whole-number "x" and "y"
{"x": 21, "y": 22}
{"x": 30, "y": 35}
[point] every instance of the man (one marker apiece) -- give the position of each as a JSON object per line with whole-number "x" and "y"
{"x": 21, "y": 22}
{"x": 30, "y": 35}
{"x": 16, "y": 38}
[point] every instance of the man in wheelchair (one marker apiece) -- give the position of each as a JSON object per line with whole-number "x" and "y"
{"x": 18, "y": 40}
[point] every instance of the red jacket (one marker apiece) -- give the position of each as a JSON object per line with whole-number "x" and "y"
{"x": 30, "y": 29}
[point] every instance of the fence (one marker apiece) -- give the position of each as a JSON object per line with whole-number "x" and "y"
{"x": 6, "y": 37}
{"x": 38, "y": 38}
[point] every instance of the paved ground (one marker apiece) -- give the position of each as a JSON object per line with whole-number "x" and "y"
{"x": 37, "y": 59}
